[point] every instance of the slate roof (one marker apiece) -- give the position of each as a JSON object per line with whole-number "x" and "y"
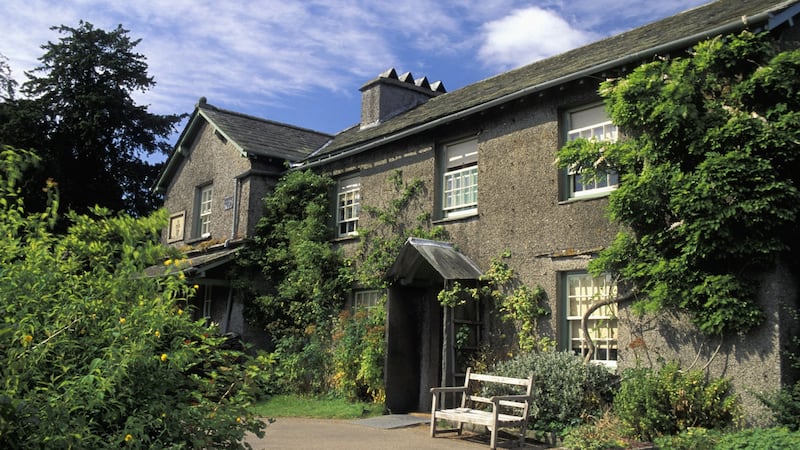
{"x": 674, "y": 33}
{"x": 261, "y": 137}
{"x": 252, "y": 136}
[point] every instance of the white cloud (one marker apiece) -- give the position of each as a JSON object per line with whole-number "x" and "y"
{"x": 527, "y": 35}
{"x": 263, "y": 56}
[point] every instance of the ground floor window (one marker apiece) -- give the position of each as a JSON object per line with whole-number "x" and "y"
{"x": 367, "y": 299}
{"x": 581, "y": 290}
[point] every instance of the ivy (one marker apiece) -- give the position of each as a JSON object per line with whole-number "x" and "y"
{"x": 519, "y": 304}
{"x": 708, "y": 164}
{"x": 381, "y": 239}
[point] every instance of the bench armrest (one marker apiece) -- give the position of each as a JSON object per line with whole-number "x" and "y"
{"x": 435, "y": 390}
{"x": 523, "y": 398}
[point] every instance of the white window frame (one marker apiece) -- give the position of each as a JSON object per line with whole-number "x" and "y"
{"x": 591, "y": 123}
{"x": 460, "y": 179}
{"x": 348, "y": 206}
{"x": 204, "y": 203}
{"x": 208, "y": 301}
{"x": 367, "y": 299}
{"x": 581, "y": 290}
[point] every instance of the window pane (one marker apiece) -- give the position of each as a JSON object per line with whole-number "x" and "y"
{"x": 461, "y": 188}
{"x": 348, "y": 200}
{"x": 591, "y": 123}
{"x": 582, "y": 291}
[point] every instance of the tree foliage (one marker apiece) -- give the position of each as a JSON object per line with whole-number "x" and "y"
{"x": 293, "y": 251}
{"x": 80, "y": 116}
{"x": 95, "y": 355}
{"x": 708, "y": 188}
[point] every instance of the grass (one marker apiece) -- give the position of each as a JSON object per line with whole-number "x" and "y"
{"x": 318, "y": 408}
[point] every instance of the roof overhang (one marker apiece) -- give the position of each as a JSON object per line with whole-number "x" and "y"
{"x": 195, "y": 266}
{"x": 422, "y": 261}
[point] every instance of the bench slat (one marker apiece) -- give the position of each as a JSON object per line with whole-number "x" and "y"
{"x": 498, "y": 379}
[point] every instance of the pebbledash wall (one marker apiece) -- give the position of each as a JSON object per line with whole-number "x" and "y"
{"x": 521, "y": 209}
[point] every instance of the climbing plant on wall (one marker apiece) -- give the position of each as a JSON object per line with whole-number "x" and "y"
{"x": 517, "y": 303}
{"x": 709, "y": 194}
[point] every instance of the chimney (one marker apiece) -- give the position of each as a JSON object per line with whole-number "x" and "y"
{"x": 390, "y": 95}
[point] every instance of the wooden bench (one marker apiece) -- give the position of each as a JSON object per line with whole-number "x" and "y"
{"x": 475, "y": 409}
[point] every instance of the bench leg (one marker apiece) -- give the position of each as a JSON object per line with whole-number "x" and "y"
{"x": 493, "y": 442}
{"x": 433, "y": 425}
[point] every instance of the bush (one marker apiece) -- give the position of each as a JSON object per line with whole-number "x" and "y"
{"x": 785, "y": 406}
{"x": 759, "y": 439}
{"x": 670, "y": 401}
{"x": 690, "y": 439}
{"x": 607, "y": 433}
{"x": 95, "y": 355}
{"x": 358, "y": 348}
{"x": 752, "y": 439}
{"x": 566, "y": 391}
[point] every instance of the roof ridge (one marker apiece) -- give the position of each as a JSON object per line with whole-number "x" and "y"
{"x": 209, "y": 106}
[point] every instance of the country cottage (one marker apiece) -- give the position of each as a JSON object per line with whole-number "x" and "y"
{"x": 485, "y": 155}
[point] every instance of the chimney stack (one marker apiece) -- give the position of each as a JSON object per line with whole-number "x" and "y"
{"x": 390, "y": 95}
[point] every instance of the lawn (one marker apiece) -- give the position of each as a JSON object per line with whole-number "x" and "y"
{"x": 319, "y": 408}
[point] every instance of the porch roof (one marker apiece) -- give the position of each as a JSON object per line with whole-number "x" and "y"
{"x": 422, "y": 259}
{"x": 193, "y": 265}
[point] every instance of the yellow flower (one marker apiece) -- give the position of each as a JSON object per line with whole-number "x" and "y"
{"x": 157, "y": 333}
{"x": 180, "y": 311}
{"x": 167, "y": 262}
{"x": 238, "y": 420}
{"x": 181, "y": 276}
{"x": 128, "y": 438}
{"x": 196, "y": 286}
{"x": 163, "y": 357}
{"x": 27, "y": 339}
{"x": 122, "y": 321}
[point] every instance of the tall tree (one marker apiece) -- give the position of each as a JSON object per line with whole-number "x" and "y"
{"x": 709, "y": 191}
{"x": 94, "y": 140}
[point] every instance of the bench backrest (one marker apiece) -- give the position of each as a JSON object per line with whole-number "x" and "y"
{"x": 527, "y": 383}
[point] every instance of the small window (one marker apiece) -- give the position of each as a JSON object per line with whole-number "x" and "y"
{"x": 348, "y": 201}
{"x": 460, "y": 179}
{"x": 203, "y": 210}
{"x": 367, "y": 299}
{"x": 581, "y": 291}
{"x": 591, "y": 123}
{"x": 208, "y": 300}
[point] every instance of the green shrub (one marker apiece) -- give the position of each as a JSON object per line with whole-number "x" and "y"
{"x": 607, "y": 433}
{"x": 785, "y": 406}
{"x": 670, "y": 400}
{"x": 358, "y": 354}
{"x": 95, "y": 355}
{"x": 690, "y": 439}
{"x": 760, "y": 439}
{"x": 566, "y": 391}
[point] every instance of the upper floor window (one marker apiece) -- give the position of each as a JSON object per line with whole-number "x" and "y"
{"x": 203, "y": 210}
{"x": 348, "y": 200}
{"x": 460, "y": 179}
{"x": 591, "y": 123}
{"x": 581, "y": 291}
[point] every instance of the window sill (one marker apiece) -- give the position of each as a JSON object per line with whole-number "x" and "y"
{"x": 583, "y": 198}
{"x": 459, "y": 218}
{"x": 349, "y": 237}
{"x": 195, "y": 240}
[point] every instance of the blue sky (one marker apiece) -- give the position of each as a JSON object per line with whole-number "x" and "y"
{"x": 303, "y": 61}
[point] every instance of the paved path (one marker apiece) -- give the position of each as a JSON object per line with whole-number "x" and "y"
{"x": 295, "y": 433}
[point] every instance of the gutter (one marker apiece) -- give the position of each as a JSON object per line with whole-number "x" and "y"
{"x": 662, "y": 48}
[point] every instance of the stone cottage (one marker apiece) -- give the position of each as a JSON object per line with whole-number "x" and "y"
{"x": 485, "y": 155}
